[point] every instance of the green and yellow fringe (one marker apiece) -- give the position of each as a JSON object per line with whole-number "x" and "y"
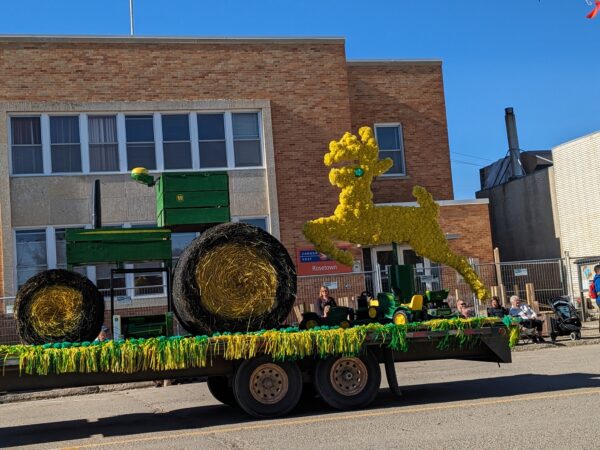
{"x": 162, "y": 353}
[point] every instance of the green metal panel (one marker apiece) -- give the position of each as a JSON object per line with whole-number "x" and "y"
{"x": 193, "y": 181}
{"x": 194, "y": 198}
{"x": 117, "y": 234}
{"x": 110, "y": 245}
{"x": 191, "y": 216}
{"x": 402, "y": 281}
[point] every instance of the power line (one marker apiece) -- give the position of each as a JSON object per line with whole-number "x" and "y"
{"x": 474, "y": 157}
{"x": 458, "y": 161}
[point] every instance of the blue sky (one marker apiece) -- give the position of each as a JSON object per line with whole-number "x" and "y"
{"x": 538, "y": 56}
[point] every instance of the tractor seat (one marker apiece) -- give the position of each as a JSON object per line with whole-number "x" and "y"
{"x": 416, "y": 303}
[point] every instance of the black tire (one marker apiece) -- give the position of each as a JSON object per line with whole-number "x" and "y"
{"x": 87, "y": 309}
{"x": 221, "y": 389}
{"x": 267, "y": 389}
{"x": 191, "y": 307}
{"x": 358, "y": 392}
{"x": 573, "y": 336}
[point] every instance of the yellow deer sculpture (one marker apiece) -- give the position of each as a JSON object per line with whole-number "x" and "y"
{"x": 358, "y": 220}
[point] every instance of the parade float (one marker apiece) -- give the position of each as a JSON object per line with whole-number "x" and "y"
{"x": 234, "y": 287}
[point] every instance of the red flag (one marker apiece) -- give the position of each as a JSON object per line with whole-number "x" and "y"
{"x": 594, "y": 11}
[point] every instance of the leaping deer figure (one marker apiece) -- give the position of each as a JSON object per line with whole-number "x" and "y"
{"x": 356, "y": 219}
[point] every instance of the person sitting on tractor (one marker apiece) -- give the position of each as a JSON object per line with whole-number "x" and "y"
{"x": 462, "y": 310}
{"x": 324, "y": 302}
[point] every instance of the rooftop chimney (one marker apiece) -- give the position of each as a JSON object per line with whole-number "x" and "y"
{"x": 513, "y": 142}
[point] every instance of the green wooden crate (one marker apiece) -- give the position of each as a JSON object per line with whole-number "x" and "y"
{"x": 192, "y": 198}
{"x": 114, "y": 245}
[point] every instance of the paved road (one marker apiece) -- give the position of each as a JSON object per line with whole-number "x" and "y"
{"x": 549, "y": 398}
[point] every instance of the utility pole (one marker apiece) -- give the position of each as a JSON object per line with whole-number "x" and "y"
{"x": 131, "y": 17}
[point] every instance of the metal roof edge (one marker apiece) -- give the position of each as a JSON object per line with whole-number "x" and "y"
{"x": 168, "y": 39}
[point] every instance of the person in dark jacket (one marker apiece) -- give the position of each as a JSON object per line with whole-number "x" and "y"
{"x": 496, "y": 310}
{"x": 597, "y": 282}
{"x": 324, "y": 302}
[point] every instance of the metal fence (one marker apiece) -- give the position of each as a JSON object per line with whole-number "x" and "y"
{"x": 534, "y": 281}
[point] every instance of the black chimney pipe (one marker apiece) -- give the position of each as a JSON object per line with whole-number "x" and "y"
{"x": 513, "y": 142}
{"x": 97, "y": 207}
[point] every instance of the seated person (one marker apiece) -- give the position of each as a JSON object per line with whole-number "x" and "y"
{"x": 324, "y": 302}
{"x": 528, "y": 316}
{"x": 462, "y": 311}
{"x": 496, "y": 310}
{"x": 103, "y": 335}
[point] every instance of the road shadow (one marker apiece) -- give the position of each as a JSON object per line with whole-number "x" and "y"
{"x": 197, "y": 418}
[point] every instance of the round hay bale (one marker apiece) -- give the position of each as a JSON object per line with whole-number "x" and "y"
{"x": 234, "y": 277}
{"x": 58, "y": 306}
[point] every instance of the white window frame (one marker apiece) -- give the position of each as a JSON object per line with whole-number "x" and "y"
{"x": 50, "y": 248}
{"x": 47, "y": 154}
{"x": 162, "y": 139}
{"x": 401, "y": 150}
{"x": 122, "y": 142}
{"x": 10, "y": 144}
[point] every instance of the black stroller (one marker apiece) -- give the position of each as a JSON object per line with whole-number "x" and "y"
{"x": 567, "y": 322}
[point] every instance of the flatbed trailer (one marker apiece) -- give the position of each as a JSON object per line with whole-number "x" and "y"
{"x": 266, "y": 388}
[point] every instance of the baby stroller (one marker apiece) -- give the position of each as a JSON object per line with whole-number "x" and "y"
{"x": 567, "y": 322}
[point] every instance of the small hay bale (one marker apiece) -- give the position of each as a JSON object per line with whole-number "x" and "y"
{"x": 235, "y": 277}
{"x": 58, "y": 306}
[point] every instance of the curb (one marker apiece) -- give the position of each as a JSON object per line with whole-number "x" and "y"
{"x": 71, "y": 392}
{"x": 559, "y": 344}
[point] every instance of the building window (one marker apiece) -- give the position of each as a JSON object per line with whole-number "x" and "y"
{"x": 246, "y": 140}
{"x": 176, "y": 141}
{"x": 211, "y": 141}
{"x": 26, "y": 145}
{"x": 103, "y": 280}
{"x": 141, "y": 152}
{"x": 65, "y": 149}
{"x": 260, "y": 222}
{"x": 104, "y": 147}
{"x": 31, "y": 254}
{"x": 61, "y": 252}
{"x": 389, "y": 139}
{"x": 179, "y": 242}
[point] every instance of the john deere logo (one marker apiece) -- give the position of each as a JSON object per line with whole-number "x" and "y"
{"x": 179, "y": 197}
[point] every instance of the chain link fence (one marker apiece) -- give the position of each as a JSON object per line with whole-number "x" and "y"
{"x": 536, "y": 282}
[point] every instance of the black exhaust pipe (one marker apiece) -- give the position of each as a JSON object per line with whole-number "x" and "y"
{"x": 97, "y": 207}
{"x": 513, "y": 142}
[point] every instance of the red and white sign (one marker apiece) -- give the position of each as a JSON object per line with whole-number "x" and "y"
{"x": 311, "y": 262}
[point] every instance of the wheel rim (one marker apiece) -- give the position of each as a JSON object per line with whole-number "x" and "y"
{"x": 311, "y": 324}
{"x": 400, "y": 319}
{"x": 348, "y": 376}
{"x": 268, "y": 383}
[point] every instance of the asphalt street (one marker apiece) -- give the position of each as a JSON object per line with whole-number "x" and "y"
{"x": 545, "y": 399}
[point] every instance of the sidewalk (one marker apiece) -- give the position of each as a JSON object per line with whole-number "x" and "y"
{"x": 589, "y": 335}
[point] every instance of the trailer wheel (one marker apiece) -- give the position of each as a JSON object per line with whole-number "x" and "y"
{"x": 221, "y": 390}
{"x": 266, "y": 389}
{"x": 348, "y": 382}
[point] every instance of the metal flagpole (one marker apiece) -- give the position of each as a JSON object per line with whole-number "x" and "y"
{"x": 131, "y": 17}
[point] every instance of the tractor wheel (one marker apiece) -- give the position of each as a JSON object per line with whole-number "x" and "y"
{"x": 221, "y": 389}
{"x": 348, "y": 382}
{"x": 58, "y": 306}
{"x": 310, "y": 320}
{"x": 266, "y": 389}
{"x": 233, "y": 277}
{"x": 400, "y": 318}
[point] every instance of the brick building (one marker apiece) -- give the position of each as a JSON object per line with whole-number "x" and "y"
{"x": 73, "y": 109}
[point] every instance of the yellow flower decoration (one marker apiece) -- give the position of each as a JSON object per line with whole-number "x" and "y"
{"x": 356, "y": 219}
